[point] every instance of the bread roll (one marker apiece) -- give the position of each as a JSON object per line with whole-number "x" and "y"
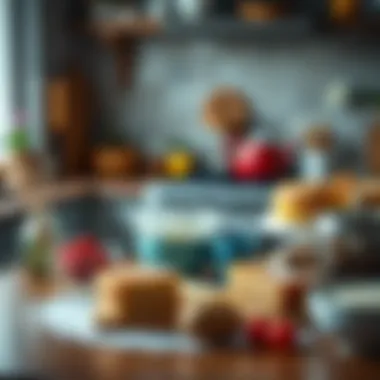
{"x": 298, "y": 202}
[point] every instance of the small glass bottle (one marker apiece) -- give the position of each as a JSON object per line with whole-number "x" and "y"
{"x": 316, "y": 160}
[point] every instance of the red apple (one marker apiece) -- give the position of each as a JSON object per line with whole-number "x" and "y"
{"x": 281, "y": 335}
{"x": 258, "y": 160}
{"x": 82, "y": 258}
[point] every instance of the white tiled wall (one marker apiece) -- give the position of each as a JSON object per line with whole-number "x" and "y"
{"x": 285, "y": 80}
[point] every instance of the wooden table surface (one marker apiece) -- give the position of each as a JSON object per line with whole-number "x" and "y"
{"x": 62, "y": 360}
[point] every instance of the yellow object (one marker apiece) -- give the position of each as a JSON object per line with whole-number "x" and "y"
{"x": 298, "y": 202}
{"x": 179, "y": 164}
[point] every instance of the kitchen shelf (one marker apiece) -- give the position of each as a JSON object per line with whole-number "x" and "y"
{"x": 122, "y": 36}
{"x": 141, "y": 27}
{"x": 217, "y": 27}
{"x": 295, "y": 26}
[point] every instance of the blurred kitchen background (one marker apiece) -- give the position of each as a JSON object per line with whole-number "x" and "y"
{"x": 236, "y": 142}
{"x": 115, "y": 97}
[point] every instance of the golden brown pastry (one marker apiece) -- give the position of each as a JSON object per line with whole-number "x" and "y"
{"x": 298, "y": 202}
{"x": 341, "y": 191}
{"x": 132, "y": 297}
{"x": 228, "y": 110}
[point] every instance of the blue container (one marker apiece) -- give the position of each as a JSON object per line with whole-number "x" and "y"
{"x": 232, "y": 246}
{"x": 189, "y": 258}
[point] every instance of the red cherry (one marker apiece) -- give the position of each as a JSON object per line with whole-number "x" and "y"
{"x": 257, "y": 331}
{"x": 281, "y": 335}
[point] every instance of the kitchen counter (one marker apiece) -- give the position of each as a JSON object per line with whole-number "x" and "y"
{"x": 58, "y": 358}
{"x": 66, "y": 361}
{"x": 223, "y": 191}
{"x": 56, "y": 192}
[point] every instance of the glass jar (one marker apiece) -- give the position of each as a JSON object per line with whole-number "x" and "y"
{"x": 38, "y": 240}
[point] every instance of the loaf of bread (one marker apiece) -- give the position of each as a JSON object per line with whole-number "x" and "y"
{"x": 132, "y": 297}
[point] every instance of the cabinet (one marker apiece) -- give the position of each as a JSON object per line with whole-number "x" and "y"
{"x": 70, "y": 105}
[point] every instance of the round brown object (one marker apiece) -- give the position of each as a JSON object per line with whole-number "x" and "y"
{"x": 216, "y": 324}
{"x": 228, "y": 110}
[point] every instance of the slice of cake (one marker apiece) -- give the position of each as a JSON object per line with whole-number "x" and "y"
{"x": 133, "y": 297}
